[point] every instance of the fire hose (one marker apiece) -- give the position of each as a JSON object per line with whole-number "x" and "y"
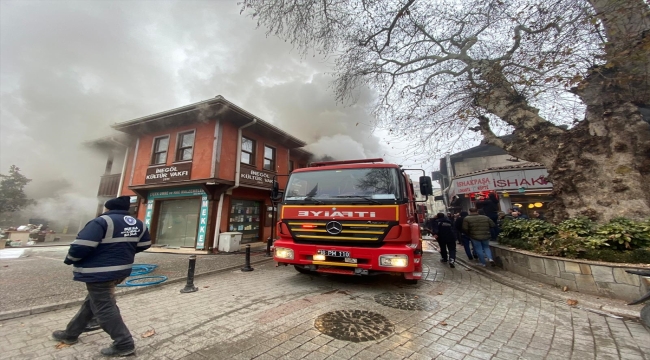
{"x": 143, "y": 269}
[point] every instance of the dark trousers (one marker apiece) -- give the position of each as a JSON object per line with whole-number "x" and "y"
{"x": 467, "y": 244}
{"x": 101, "y": 304}
{"x": 447, "y": 248}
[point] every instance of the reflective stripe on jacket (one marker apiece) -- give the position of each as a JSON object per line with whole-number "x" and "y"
{"x": 105, "y": 248}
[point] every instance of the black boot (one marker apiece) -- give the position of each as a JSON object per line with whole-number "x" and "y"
{"x": 61, "y": 336}
{"x": 114, "y": 352}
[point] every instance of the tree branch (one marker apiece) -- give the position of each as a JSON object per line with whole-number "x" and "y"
{"x": 488, "y": 134}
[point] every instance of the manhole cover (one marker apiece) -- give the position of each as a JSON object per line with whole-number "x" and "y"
{"x": 402, "y": 301}
{"x": 354, "y": 325}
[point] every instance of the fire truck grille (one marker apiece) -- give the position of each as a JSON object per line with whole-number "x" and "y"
{"x": 339, "y": 231}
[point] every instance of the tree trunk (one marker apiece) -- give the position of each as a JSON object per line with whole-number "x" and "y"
{"x": 603, "y": 170}
{"x": 601, "y": 167}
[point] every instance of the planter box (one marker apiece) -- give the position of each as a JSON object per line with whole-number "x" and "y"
{"x": 589, "y": 277}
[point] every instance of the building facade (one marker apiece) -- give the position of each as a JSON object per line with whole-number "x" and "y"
{"x": 485, "y": 169}
{"x": 201, "y": 170}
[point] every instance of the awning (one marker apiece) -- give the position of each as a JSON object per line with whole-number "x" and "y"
{"x": 511, "y": 180}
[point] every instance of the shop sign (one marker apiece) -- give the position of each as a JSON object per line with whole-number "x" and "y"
{"x": 178, "y": 172}
{"x": 256, "y": 177}
{"x": 172, "y": 193}
{"x": 501, "y": 180}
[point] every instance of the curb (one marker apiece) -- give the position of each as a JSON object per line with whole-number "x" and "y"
{"x": 587, "y": 305}
{"x": 13, "y": 314}
{"x": 584, "y": 304}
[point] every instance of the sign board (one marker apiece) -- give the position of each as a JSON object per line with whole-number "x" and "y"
{"x": 162, "y": 174}
{"x": 172, "y": 193}
{"x": 501, "y": 180}
{"x": 256, "y": 177}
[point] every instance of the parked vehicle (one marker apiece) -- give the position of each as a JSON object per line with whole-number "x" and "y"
{"x": 355, "y": 217}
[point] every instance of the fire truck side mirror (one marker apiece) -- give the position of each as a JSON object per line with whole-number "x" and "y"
{"x": 426, "y": 187}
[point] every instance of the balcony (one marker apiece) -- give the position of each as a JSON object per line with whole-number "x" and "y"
{"x": 108, "y": 185}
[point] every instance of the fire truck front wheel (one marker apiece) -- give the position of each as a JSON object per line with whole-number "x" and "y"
{"x": 302, "y": 270}
{"x": 409, "y": 281}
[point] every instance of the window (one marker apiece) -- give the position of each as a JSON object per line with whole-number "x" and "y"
{"x": 290, "y": 166}
{"x": 374, "y": 185}
{"x": 185, "y": 146}
{"x": 269, "y": 158}
{"x": 247, "y": 151}
{"x": 160, "y": 146}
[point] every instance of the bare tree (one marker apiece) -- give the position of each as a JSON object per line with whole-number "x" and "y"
{"x": 569, "y": 79}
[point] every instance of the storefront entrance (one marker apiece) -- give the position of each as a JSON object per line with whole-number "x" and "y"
{"x": 178, "y": 222}
{"x": 245, "y": 218}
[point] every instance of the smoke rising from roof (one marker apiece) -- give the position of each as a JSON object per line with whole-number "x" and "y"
{"x": 70, "y": 69}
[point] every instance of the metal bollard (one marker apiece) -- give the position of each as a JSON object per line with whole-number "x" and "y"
{"x": 269, "y": 242}
{"x": 247, "y": 266}
{"x": 189, "y": 287}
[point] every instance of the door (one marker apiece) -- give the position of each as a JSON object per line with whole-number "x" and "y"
{"x": 178, "y": 222}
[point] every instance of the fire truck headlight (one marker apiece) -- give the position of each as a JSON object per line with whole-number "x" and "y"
{"x": 283, "y": 253}
{"x": 394, "y": 260}
{"x": 319, "y": 257}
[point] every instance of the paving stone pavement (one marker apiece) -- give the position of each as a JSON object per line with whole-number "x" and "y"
{"x": 270, "y": 313}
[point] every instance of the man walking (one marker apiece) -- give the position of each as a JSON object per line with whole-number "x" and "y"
{"x": 102, "y": 256}
{"x": 443, "y": 232}
{"x": 477, "y": 227}
{"x": 490, "y": 207}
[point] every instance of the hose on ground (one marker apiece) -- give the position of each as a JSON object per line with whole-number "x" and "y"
{"x": 143, "y": 269}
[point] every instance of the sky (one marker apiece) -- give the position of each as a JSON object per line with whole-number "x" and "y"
{"x": 70, "y": 69}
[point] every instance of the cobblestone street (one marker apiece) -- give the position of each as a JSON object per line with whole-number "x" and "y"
{"x": 276, "y": 313}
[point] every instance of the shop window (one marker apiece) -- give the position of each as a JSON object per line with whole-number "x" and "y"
{"x": 290, "y": 166}
{"x": 185, "y": 146}
{"x": 247, "y": 151}
{"x": 178, "y": 222}
{"x": 245, "y": 218}
{"x": 160, "y": 146}
{"x": 269, "y": 158}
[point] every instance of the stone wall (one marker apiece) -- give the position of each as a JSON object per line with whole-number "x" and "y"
{"x": 596, "y": 278}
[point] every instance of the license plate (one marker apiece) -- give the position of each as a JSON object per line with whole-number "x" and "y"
{"x": 350, "y": 260}
{"x": 334, "y": 253}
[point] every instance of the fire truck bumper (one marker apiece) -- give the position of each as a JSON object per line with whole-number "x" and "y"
{"x": 398, "y": 258}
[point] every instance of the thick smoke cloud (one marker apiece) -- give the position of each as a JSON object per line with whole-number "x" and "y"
{"x": 69, "y": 69}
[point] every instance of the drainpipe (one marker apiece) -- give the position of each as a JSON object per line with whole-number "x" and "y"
{"x": 215, "y": 241}
{"x": 119, "y": 187}
{"x": 126, "y": 157}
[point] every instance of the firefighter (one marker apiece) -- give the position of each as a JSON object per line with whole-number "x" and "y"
{"x": 443, "y": 232}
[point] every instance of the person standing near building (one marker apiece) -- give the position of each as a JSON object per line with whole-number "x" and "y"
{"x": 477, "y": 227}
{"x": 443, "y": 232}
{"x": 464, "y": 238}
{"x": 102, "y": 256}
{"x": 490, "y": 207}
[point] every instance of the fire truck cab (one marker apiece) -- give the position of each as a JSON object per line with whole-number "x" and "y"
{"x": 354, "y": 217}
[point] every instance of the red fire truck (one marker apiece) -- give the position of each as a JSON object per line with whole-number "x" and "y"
{"x": 354, "y": 217}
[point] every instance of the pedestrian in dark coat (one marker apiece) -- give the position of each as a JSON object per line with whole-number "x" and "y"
{"x": 477, "y": 227}
{"x": 443, "y": 232}
{"x": 490, "y": 208}
{"x": 102, "y": 257}
{"x": 464, "y": 238}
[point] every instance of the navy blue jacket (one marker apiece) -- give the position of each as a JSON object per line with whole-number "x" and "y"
{"x": 443, "y": 228}
{"x": 105, "y": 248}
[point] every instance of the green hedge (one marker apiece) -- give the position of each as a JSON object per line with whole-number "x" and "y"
{"x": 620, "y": 240}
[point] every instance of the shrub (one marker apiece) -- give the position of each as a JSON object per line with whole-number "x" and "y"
{"x": 625, "y": 234}
{"x": 620, "y": 240}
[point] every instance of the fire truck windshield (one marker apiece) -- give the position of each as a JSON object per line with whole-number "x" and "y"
{"x": 350, "y": 185}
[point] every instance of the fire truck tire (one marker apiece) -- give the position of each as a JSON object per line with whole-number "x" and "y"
{"x": 302, "y": 270}
{"x": 410, "y": 281}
